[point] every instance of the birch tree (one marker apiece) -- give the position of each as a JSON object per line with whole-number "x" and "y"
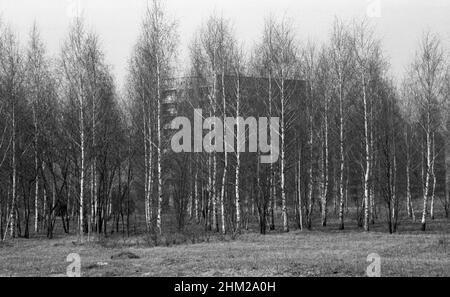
{"x": 75, "y": 81}
{"x": 38, "y": 80}
{"x": 238, "y": 69}
{"x": 407, "y": 111}
{"x": 447, "y": 148}
{"x": 365, "y": 48}
{"x": 341, "y": 56}
{"x": 310, "y": 73}
{"x": 285, "y": 63}
{"x": 81, "y": 68}
{"x": 215, "y": 40}
{"x": 12, "y": 95}
{"x": 265, "y": 51}
{"x": 140, "y": 90}
{"x": 159, "y": 43}
{"x": 325, "y": 91}
{"x": 427, "y": 78}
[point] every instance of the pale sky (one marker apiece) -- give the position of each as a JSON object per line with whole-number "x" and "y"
{"x": 398, "y": 23}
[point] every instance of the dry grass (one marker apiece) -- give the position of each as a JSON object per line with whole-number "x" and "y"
{"x": 297, "y": 253}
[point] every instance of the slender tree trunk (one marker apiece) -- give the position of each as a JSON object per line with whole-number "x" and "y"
{"x": 447, "y": 177}
{"x": 367, "y": 154}
{"x": 1, "y": 220}
{"x": 238, "y": 159}
{"x": 147, "y": 161}
{"x": 150, "y": 174}
{"x": 347, "y": 182}
{"x": 283, "y": 158}
{"x": 433, "y": 174}
{"x": 196, "y": 194}
{"x": 272, "y": 186}
{"x": 128, "y": 185}
{"x": 394, "y": 184}
{"x": 36, "y": 168}
{"x": 335, "y": 188}
{"x": 215, "y": 212}
{"x": 213, "y": 160}
{"x": 12, "y": 219}
{"x": 44, "y": 203}
{"x": 427, "y": 177}
{"x": 82, "y": 137}
{"x": 325, "y": 168}
{"x": 273, "y": 202}
{"x": 310, "y": 171}
{"x": 373, "y": 162}
{"x": 259, "y": 197}
{"x": 210, "y": 194}
{"x": 213, "y": 179}
{"x": 144, "y": 132}
{"x": 52, "y": 214}
{"x": 92, "y": 221}
{"x": 299, "y": 189}
{"x": 190, "y": 204}
{"x": 342, "y": 158}
{"x": 94, "y": 203}
{"x": 159, "y": 149}
{"x": 225, "y": 165}
{"x": 409, "y": 208}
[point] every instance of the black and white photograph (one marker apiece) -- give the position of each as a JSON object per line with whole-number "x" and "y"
{"x": 222, "y": 145}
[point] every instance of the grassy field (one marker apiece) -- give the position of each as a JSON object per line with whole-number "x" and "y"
{"x": 322, "y": 252}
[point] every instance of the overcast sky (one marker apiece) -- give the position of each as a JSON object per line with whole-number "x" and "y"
{"x": 398, "y": 23}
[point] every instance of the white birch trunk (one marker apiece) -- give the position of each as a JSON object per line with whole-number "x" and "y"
{"x": 372, "y": 157}
{"x": 342, "y": 157}
{"x": 159, "y": 149}
{"x": 427, "y": 177}
{"x": 325, "y": 169}
{"x": 12, "y": 219}
{"x": 224, "y": 177}
{"x": 394, "y": 187}
{"x": 238, "y": 160}
{"x": 367, "y": 155}
{"x": 409, "y": 207}
{"x": 196, "y": 194}
{"x": 299, "y": 188}
{"x": 82, "y": 136}
{"x": 150, "y": 172}
{"x": 272, "y": 186}
{"x": 310, "y": 169}
{"x": 94, "y": 202}
{"x": 433, "y": 173}
{"x": 146, "y": 165}
{"x": 282, "y": 185}
{"x": 36, "y": 168}
{"x": 447, "y": 176}
{"x": 213, "y": 102}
